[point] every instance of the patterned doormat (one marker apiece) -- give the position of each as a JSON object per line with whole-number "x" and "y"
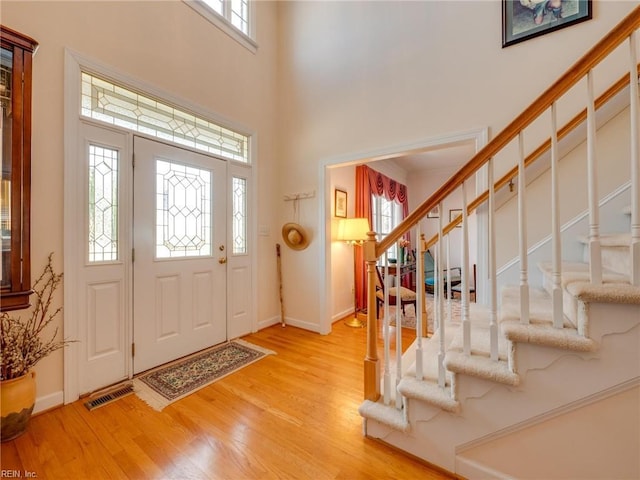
{"x": 168, "y": 383}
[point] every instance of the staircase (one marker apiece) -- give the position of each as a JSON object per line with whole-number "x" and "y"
{"x": 543, "y": 380}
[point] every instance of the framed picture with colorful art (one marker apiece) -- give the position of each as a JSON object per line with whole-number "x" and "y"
{"x": 526, "y": 19}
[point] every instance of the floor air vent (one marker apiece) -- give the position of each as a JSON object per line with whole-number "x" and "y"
{"x": 103, "y": 398}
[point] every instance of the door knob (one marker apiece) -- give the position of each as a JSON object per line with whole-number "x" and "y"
{"x": 222, "y": 260}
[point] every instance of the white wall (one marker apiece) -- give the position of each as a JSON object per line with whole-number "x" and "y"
{"x": 165, "y": 44}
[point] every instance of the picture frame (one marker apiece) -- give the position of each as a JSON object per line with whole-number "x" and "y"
{"x": 526, "y": 19}
{"x": 455, "y": 213}
{"x": 340, "y": 203}
{"x": 434, "y": 212}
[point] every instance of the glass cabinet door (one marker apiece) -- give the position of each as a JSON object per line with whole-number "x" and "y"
{"x": 6, "y": 70}
{"x": 15, "y": 182}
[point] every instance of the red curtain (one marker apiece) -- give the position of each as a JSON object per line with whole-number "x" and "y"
{"x": 368, "y": 182}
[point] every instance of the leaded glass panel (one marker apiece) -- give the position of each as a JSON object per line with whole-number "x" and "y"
{"x": 116, "y": 105}
{"x": 239, "y": 198}
{"x": 183, "y": 210}
{"x": 103, "y": 204}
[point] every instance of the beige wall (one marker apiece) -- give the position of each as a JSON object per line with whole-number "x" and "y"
{"x": 614, "y": 169}
{"x": 597, "y": 440}
{"x": 357, "y": 77}
{"x": 165, "y": 44}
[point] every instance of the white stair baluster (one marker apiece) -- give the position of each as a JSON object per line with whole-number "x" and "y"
{"x": 439, "y": 293}
{"x": 635, "y": 165}
{"x": 522, "y": 235}
{"x": 595, "y": 256}
{"x": 387, "y": 340}
{"x": 419, "y": 283}
{"x": 448, "y": 276}
{"x": 558, "y": 320}
{"x": 398, "y": 278}
{"x": 493, "y": 300}
{"x": 466, "y": 324}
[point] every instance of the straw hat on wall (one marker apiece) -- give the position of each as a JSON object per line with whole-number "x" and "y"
{"x": 295, "y": 236}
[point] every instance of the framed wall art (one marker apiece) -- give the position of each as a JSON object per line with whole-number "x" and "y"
{"x": 434, "y": 212}
{"x": 525, "y": 19}
{"x": 341, "y": 204}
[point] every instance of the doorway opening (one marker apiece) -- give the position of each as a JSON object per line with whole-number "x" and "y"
{"x": 422, "y": 166}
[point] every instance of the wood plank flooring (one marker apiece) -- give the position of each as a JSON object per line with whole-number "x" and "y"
{"x": 292, "y": 416}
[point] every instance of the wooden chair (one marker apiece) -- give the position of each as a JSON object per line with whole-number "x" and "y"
{"x": 472, "y": 287}
{"x": 407, "y": 296}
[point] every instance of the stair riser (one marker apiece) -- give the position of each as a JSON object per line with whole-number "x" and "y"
{"x": 569, "y": 303}
{"x": 614, "y": 258}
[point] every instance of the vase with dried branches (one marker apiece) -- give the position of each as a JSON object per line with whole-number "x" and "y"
{"x": 23, "y": 343}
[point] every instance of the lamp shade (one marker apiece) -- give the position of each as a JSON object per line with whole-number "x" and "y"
{"x": 353, "y": 229}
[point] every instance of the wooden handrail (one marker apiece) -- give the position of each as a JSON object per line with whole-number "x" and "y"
{"x": 588, "y": 61}
{"x": 537, "y": 153}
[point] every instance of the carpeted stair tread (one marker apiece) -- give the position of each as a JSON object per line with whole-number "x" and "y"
{"x": 605, "y": 293}
{"x": 573, "y": 272}
{"x": 385, "y": 414}
{"x": 429, "y": 392}
{"x": 610, "y": 239}
{"x": 481, "y": 367}
{"x": 540, "y": 307}
{"x": 547, "y": 335}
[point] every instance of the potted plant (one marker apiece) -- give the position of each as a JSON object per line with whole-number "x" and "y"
{"x": 23, "y": 343}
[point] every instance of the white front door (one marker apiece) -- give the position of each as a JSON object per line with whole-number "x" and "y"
{"x": 179, "y": 240}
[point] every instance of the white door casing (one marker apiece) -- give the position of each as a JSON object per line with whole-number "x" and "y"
{"x": 179, "y": 238}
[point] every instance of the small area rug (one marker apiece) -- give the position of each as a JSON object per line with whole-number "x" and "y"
{"x": 166, "y": 384}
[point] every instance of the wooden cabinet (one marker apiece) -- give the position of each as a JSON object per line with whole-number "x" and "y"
{"x": 15, "y": 183}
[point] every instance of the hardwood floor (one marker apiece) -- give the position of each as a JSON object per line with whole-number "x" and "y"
{"x": 291, "y": 415}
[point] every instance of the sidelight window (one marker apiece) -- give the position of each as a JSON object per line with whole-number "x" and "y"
{"x": 103, "y": 204}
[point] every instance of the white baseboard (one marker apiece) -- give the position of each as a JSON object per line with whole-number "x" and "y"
{"x": 341, "y": 315}
{"x": 471, "y": 469}
{"x": 49, "y": 401}
{"x": 312, "y": 327}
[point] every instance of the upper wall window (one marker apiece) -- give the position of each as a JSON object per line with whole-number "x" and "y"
{"x": 234, "y": 17}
